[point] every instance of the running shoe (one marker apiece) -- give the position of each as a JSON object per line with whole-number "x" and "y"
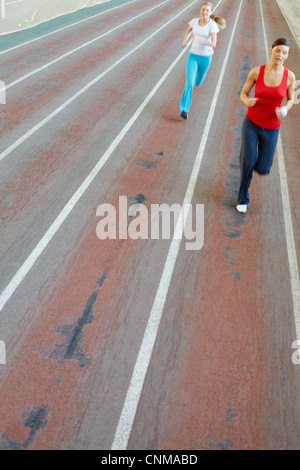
{"x": 184, "y": 115}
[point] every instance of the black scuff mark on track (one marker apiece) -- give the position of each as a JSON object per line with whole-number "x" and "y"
{"x": 228, "y": 252}
{"x": 248, "y": 34}
{"x": 36, "y": 420}
{"x": 161, "y": 153}
{"x": 225, "y": 444}
{"x": 230, "y": 415}
{"x": 73, "y": 334}
{"x": 57, "y": 379}
{"x": 135, "y": 203}
{"x": 103, "y": 278}
{"x": 138, "y": 199}
{"x": 233, "y": 234}
{"x": 237, "y": 276}
{"x": 147, "y": 164}
{"x": 210, "y": 443}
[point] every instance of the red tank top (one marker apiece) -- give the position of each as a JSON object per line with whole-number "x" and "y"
{"x": 263, "y": 112}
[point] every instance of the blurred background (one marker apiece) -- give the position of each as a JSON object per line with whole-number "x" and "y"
{"x": 20, "y": 14}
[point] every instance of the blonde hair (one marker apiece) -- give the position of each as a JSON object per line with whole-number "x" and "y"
{"x": 221, "y": 22}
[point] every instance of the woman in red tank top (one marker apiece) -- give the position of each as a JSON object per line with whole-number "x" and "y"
{"x": 273, "y": 82}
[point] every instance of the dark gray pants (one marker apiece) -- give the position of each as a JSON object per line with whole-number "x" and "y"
{"x": 257, "y": 154}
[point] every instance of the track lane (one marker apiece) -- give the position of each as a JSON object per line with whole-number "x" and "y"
{"x": 48, "y": 54}
{"x": 238, "y": 322}
{"x": 170, "y": 123}
{"x": 81, "y": 73}
{"x": 121, "y": 314}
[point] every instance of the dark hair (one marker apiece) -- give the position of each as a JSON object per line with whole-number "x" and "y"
{"x": 281, "y": 42}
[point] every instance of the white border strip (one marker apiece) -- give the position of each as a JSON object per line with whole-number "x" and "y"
{"x": 60, "y": 29}
{"x": 133, "y": 395}
{"x": 288, "y": 223}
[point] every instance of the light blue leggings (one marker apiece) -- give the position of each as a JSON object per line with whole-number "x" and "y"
{"x": 196, "y": 69}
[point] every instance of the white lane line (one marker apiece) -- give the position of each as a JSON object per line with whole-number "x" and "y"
{"x": 58, "y": 59}
{"x": 124, "y": 427}
{"x": 38, "y": 126}
{"x": 287, "y": 217}
{"x": 65, "y": 27}
{"x": 38, "y": 250}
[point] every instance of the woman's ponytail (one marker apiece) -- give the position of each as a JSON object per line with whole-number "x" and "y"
{"x": 221, "y": 22}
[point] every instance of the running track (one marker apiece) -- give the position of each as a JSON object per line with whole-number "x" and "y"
{"x": 143, "y": 344}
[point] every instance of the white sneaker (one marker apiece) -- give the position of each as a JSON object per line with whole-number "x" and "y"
{"x": 242, "y": 208}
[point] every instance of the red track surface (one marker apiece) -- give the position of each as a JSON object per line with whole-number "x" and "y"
{"x": 221, "y": 374}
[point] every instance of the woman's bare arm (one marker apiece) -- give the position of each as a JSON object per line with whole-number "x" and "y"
{"x": 249, "y": 84}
